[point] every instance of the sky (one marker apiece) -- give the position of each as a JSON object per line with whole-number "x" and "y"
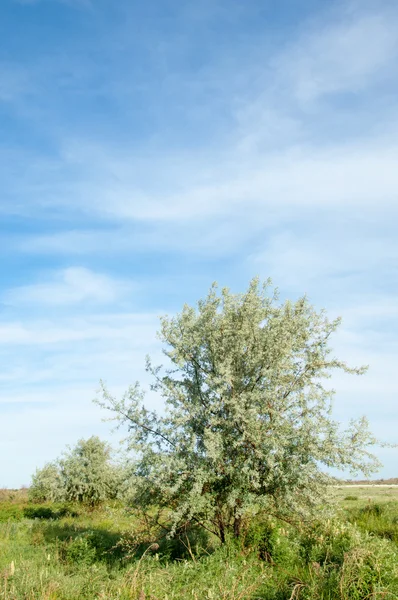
{"x": 149, "y": 149}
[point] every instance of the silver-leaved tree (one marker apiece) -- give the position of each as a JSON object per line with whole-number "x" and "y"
{"x": 247, "y": 424}
{"x": 84, "y": 474}
{"x": 88, "y": 473}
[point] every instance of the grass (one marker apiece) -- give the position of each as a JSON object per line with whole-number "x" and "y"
{"x": 365, "y": 494}
{"x": 59, "y": 552}
{"x": 14, "y": 496}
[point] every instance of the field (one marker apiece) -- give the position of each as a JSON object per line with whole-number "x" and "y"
{"x": 64, "y": 552}
{"x": 348, "y": 495}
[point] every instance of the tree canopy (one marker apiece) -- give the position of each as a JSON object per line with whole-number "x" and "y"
{"x": 84, "y": 474}
{"x": 247, "y": 424}
{"x": 88, "y": 474}
{"x": 47, "y": 484}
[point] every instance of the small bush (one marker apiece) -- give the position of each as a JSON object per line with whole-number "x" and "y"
{"x": 10, "y": 512}
{"x": 369, "y": 570}
{"x": 191, "y": 540}
{"x": 351, "y": 566}
{"x": 272, "y": 542}
{"x": 47, "y": 485}
{"x": 351, "y": 498}
{"x": 85, "y": 474}
{"x": 328, "y": 542}
{"x": 88, "y": 474}
{"x": 49, "y": 512}
{"x": 66, "y": 510}
{"x": 39, "y": 512}
{"x": 379, "y": 520}
{"x": 79, "y": 551}
{"x": 373, "y": 509}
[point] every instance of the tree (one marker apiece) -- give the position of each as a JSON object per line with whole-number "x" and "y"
{"x": 85, "y": 474}
{"x": 89, "y": 476}
{"x": 247, "y": 423}
{"x": 47, "y": 484}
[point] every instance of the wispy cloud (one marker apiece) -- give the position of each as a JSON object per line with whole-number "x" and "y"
{"x": 347, "y": 56}
{"x": 273, "y": 155}
{"x": 334, "y": 253}
{"x": 70, "y": 286}
{"x": 170, "y": 146}
{"x": 75, "y": 328}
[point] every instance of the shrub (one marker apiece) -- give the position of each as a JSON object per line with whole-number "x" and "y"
{"x": 373, "y": 509}
{"x": 10, "y": 512}
{"x": 80, "y": 550}
{"x": 39, "y": 512}
{"x": 379, "y": 520}
{"x": 369, "y": 570}
{"x": 345, "y": 564}
{"x": 85, "y": 474}
{"x": 47, "y": 484}
{"x": 88, "y": 474}
{"x": 49, "y": 512}
{"x": 328, "y": 542}
{"x": 273, "y": 542}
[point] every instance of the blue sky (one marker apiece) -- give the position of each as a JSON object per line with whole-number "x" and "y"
{"x": 148, "y": 149}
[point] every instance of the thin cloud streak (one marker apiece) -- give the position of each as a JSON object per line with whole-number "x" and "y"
{"x": 169, "y": 167}
{"x": 37, "y": 332}
{"x": 119, "y": 189}
{"x": 71, "y": 286}
{"x": 341, "y": 58}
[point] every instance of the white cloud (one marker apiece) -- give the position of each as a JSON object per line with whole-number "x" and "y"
{"x": 346, "y": 56}
{"x": 333, "y": 250}
{"x": 268, "y": 158}
{"x": 340, "y": 176}
{"x": 296, "y": 185}
{"x": 72, "y": 329}
{"x": 71, "y": 286}
{"x": 64, "y": 353}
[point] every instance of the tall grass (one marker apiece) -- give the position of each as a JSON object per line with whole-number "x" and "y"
{"x": 60, "y": 553}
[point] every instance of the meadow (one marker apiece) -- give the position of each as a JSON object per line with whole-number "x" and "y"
{"x": 67, "y": 552}
{"x": 365, "y": 494}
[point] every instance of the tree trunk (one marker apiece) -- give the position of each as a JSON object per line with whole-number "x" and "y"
{"x": 222, "y": 534}
{"x": 221, "y": 528}
{"x": 237, "y": 519}
{"x": 237, "y": 526}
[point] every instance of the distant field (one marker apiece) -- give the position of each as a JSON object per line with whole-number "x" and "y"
{"x": 391, "y": 481}
{"x": 364, "y": 493}
{"x": 14, "y": 496}
{"x": 348, "y": 493}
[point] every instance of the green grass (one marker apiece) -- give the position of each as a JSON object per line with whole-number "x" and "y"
{"x": 60, "y": 552}
{"x": 364, "y": 495}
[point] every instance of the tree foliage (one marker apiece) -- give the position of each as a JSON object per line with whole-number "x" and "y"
{"x": 247, "y": 423}
{"x": 47, "y": 485}
{"x": 85, "y": 474}
{"x": 88, "y": 474}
